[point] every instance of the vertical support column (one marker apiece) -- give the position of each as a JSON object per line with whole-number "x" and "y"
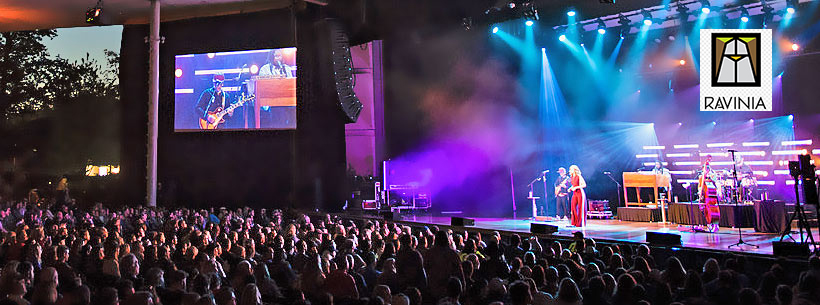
{"x": 153, "y": 106}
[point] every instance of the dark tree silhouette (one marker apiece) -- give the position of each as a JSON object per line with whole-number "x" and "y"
{"x": 56, "y": 115}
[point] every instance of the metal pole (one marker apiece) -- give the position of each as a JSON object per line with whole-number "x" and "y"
{"x": 153, "y": 106}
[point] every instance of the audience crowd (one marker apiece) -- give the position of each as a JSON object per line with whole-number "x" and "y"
{"x": 142, "y": 256}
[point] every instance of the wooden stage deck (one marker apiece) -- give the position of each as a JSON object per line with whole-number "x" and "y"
{"x": 626, "y": 231}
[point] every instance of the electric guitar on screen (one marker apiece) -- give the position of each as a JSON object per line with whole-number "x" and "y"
{"x": 217, "y": 116}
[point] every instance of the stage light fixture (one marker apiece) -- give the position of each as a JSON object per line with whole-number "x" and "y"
{"x": 562, "y": 38}
{"x": 601, "y": 27}
{"x": 529, "y": 22}
{"x": 744, "y": 14}
{"x": 495, "y": 29}
{"x": 768, "y": 14}
{"x": 795, "y": 47}
{"x": 511, "y": 5}
{"x": 92, "y": 15}
{"x": 705, "y": 6}
{"x": 682, "y": 62}
{"x": 683, "y": 12}
{"x": 254, "y": 69}
{"x": 791, "y": 6}
{"x": 624, "y": 25}
{"x": 714, "y": 123}
{"x": 647, "y": 18}
{"x": 791, "y": 117}
{"x": 529, "y": 11}
{"x": 751, "y": 120}
{"x": 178, "y": 72}
{"x": 467, "y": 23}
{"x": 571, "y": 13}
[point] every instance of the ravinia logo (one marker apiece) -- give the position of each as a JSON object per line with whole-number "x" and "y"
{"x": 736, "y": 70}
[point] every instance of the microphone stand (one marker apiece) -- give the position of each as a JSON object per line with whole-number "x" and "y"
{"x": 736, "y": 211}
{"x": 618, "y": 187}
{"x": 544, "y": 180}
{"x": 532, "y": 197}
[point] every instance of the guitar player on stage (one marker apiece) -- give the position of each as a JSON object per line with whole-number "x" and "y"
{"x": 562, "y": 183}
{"x": 212, "y": 100}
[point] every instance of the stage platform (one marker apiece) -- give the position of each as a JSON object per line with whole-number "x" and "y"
{"x": 624, "y": 231}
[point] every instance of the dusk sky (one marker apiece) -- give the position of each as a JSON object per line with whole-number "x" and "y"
{"x": 74, "y": 43}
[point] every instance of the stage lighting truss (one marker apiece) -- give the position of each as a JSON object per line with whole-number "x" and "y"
{"x": 503, "y": 11}
{"x": 678, "y": 12}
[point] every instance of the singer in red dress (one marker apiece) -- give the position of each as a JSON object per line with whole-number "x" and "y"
{"x": 578, "y": 207}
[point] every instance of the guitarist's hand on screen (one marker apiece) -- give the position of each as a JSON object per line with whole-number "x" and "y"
{"x": 211, "y": 119}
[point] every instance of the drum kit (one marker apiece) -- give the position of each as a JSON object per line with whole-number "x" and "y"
{"x": 726, "y": 187}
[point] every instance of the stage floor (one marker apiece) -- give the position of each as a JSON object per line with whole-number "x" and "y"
{"x": 628, "y": 231}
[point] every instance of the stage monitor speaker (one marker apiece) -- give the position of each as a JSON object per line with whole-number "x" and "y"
{"x": 782, "y": 248}
{"x": 343, "y": 71}
{"x": 663, "y": 239}
{"x": 461, "y": 222}
{"x": 389, "y": 215}
{"x": 542, "y": 228}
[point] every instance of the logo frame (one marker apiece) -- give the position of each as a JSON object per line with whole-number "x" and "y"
{"x": 716, "y": 64}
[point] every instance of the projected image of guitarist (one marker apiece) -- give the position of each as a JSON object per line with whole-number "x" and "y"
{"x": 214, "y": 106}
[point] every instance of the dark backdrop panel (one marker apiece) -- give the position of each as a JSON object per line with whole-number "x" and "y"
{"x": 254, "y": 168}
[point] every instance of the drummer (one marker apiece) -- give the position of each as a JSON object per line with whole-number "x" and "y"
{"x": 743, "y": 169}
{"x": 748, "y": 181}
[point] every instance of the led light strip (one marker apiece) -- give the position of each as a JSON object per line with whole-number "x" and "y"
{"x": 789, "y": 152}
{"x": 183, "y": 91}
{"x": 678, "y": 155}
{"x": 759, "y": 162}
{"x": 223, "y": 71}
{"x": 719, "y": 144}
{"x": 761, "y": 173}
{"x": 654, "y": 147}
{"x": 684, "y": 181}
{"x": 765, "y": 182}
{"x": 639, "y": 156}
{"x": 653, "y": 163}
{"x": 781, "y": 172}
{"x": 796, "y": 142}
{"x": 686, "y": 145}
{"x": 789, "y": 182}
{"x": 722, "y": 163}
{"x": 714, "y": 154}
{"x": 747, "y": 144}
{"x": 815, "y": 151}
{"x": 751, "y": 153}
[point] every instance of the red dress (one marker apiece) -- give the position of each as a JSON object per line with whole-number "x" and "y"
{"x": 578, "y": 217}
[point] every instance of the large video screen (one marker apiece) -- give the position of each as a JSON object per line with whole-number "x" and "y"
{"x": 240, "y": 90}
